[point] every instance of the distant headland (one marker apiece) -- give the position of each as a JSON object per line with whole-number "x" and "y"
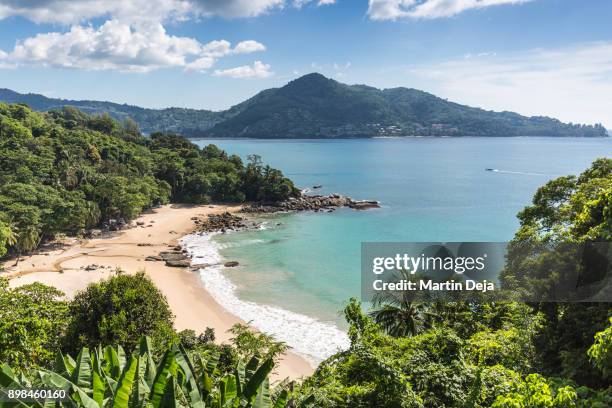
{"x": 314, "y": 106}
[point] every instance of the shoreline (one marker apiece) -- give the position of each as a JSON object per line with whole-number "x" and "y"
{"x": 74, "y": 265}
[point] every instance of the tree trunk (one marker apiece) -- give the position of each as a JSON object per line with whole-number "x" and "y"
{"x": 18, "y": 257}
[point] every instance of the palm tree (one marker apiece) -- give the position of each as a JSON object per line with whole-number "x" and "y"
{"x": 400, "y": 315}
{"x": 29, "y": 239}
{"x": 13, "y": 235}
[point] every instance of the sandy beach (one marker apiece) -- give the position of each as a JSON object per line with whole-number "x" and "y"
{"x": 193, "y": 307}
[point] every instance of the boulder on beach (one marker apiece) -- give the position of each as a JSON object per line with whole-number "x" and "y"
{"x": 179, "y": 263}
{"x": 172, "y": 256}
{"x": 222, "y": 223}
{"x": 153, "y": 258}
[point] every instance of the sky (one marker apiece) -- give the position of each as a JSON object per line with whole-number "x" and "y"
{"x": 534, "y": 57}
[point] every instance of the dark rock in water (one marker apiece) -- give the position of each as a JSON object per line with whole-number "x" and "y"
{"x": 312, "y": 203}
{"x": 181, "y": 263}
{"x": 203, "y": 265}
{"x": 317, "y": 186}
{"x": 363, "y": 205}
{"x": 153, "y": 258}
{"x": 231, "y": 264}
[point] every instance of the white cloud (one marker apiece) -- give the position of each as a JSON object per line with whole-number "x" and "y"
{"x": 249, "y": 46}
{"x": 257, "y": 70}
{"x": 120, "y": 46}
{"x": 571, "y": 83}
{"x": 300, "y": 3}
{"x": 398, "y": 9}
{"x": 218, "y": 49}
{"x": 201, "y": 64}
{"x": 76, "y": 11}
{"x": 235, "y": 8}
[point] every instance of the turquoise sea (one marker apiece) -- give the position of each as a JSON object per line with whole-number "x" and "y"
{"x": 431, "y": 189}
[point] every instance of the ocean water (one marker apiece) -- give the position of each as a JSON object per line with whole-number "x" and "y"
{"x": 299, "y": 270}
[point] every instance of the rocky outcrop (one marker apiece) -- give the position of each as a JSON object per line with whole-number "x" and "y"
{"x": 180, "y": 263}
{"x": 312, "y": 203}
{"x": 172, "y": 255}
{"x": 223, "y": 222}
{"x": 363, "y": 204}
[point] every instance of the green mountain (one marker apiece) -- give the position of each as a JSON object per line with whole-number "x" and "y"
{"x": 188, "y": 122}
{"x": 319, "y": 107}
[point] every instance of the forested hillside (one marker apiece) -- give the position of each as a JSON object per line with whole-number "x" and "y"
{"x": 314, "y": 106}
{"x": 64, "y": 171}
{"x": 187, "y": 122}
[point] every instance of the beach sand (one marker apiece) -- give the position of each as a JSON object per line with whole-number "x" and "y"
{"x": 193, "y": 307}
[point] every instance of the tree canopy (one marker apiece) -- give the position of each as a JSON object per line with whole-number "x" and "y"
{"x": 64, "y": 171}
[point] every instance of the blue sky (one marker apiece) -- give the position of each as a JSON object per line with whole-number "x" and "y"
{"x": 536, "y": 57}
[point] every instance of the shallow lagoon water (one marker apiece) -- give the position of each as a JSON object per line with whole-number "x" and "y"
{"x": 431, "y": 189}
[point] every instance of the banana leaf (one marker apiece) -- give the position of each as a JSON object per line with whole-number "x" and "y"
{"x": 281, "y": 399}
{"x": 126, "y": 382}
{"x": 164, "y": 371}
{"x": 257, "y": 379}
{"x": 81, "y": 375}
{"x": 8, "y": 380}
{"x": 60, "y": 365}
{"x": 97, "y": 382}
{"x": 262, "y": 399}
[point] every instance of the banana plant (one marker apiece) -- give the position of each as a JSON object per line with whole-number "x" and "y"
{"x": 108, "y": 378}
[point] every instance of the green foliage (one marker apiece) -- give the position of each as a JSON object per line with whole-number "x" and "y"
{"x": 65, "y": 171}
{"x": 601, "y": 351}
{"x": 106, "y": 377}
{"x": 119, "y": 310}
{"x": 511, "y": 348}
{"x": 32, "y": 319}
{"x": 7, "y": 238}
{"x": 249, "y": 343}
{"x": 571, "y": 209}
{"x": 436, "y": 368}
{"x": 536, "y": 392}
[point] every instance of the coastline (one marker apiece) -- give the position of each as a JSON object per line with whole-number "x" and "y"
{"x": 194, "y": 308}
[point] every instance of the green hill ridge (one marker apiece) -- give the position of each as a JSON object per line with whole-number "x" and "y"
{"x": 314, "y": 106}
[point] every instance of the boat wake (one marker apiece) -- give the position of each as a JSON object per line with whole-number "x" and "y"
{"x": 311, "y": 338}
{"x": 515, "y": 172}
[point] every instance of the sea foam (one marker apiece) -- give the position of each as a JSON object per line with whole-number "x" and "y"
{"x": 311, "y": 338}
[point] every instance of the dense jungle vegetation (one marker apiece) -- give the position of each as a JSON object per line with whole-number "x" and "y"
{"x": 64, "y": 171}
